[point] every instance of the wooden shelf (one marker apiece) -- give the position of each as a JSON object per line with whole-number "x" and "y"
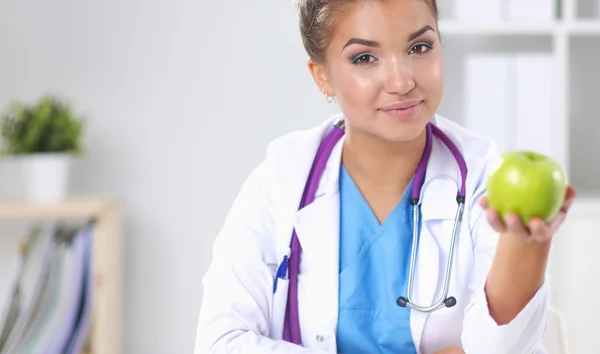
{"x": 449, "y": 27}
{"x": 78, "y": 207}
{"x": 584, "y": 28}
{"x": 106, "y": 330}
{"x": 578, "y": 27}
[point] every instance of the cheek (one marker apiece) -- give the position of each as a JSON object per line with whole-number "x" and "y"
{"x": 430, "y": 76}
{"x": 356, "y": 88}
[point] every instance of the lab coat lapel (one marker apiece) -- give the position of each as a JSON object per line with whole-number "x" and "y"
{"x": 292, "y": 168}
{"x": 318, "y": 226}
{"x": 438, "y": 202}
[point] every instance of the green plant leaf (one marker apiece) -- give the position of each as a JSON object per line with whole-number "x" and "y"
{"x": 47, "y": 126}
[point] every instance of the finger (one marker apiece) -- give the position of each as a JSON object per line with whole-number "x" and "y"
{"x": 559, "y": 218}
{"x": 557, "y": 221}
{"x": 569, "y": 198}
{"x": 495, "y": 221}
{"x": 540, "y": 230}
{"x": 483, "y": 202}
{"x": 515, "y": 226}
{"x": 571, "y": 190}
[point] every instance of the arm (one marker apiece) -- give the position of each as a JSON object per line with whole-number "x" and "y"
{"x": 235, "y": 312}
{"x": 520, "y": 261}
{"x": 509, "y": 290}
{"x": 516, "y": 274}
{"x": 518, "y": 268}
{"x": 487, "y": 328}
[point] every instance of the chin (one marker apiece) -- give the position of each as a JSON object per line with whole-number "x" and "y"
{"x": 399, "y": 137}
{"x": 399, "y": 133}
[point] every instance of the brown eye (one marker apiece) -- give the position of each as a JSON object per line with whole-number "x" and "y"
{"x": 363, "y": 59}
{"x": 420, "y": 48}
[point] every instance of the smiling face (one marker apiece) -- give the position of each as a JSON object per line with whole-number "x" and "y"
{"x": 383, "y": 63}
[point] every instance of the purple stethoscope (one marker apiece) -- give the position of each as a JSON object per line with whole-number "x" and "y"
{"x": 291, "y": 330}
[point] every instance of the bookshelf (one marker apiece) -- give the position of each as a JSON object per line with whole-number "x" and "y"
{"x": 572, "y": 38}
{"x": 106, "y": 214}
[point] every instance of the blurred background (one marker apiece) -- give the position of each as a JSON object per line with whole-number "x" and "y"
{"x": 170, "y": 105}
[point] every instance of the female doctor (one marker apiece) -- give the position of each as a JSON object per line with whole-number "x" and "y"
{"x": 327, "y": 268}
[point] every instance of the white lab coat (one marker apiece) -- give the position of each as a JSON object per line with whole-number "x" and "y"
{"x": 240, "y": 314}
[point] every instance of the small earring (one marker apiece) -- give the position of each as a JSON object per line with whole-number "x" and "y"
{"x": 328, "y": 98}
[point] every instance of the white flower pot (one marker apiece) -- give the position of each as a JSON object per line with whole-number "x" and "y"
{"x": 46, "y": 176}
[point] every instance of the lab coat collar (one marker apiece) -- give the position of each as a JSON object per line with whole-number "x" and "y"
{"x": 442, "y": 178}
{"x": 317, "y": 228}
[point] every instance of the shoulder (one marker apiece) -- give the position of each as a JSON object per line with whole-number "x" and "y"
{"x": 299, "y": 143}
{"x": 481, "y": 154}
{"x": 475, "y": 148}
{"x": 478, "y": 151}
{"x": 288, "y": 160}
{"x": 290, "y": 156}
{"x": 271, "y": 191}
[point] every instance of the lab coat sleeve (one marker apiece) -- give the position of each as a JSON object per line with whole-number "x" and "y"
{"x": 481, "y": 334}
{"x": 235, "y": 311}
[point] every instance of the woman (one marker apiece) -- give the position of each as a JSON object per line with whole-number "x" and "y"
{"x": 382, "y": 62}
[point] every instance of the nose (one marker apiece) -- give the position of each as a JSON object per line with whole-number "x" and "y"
{"x": 399, "y": 76}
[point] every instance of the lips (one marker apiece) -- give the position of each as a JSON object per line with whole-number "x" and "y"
{"x": 401, "y": 105}
{"x": 403, "y": 110}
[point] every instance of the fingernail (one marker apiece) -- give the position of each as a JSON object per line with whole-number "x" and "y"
{"x": 509, "y": 219}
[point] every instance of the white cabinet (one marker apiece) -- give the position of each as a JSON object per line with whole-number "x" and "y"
{"x": 553, "y": 112}
{"x": 565, "y": 124}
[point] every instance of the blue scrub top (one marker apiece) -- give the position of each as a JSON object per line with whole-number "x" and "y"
{"x": 374, "y": 264}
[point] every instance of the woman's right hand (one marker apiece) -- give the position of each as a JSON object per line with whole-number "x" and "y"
{"x": 451, "y": 350}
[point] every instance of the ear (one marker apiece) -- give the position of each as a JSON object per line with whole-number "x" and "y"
{"x": 319, "y": 75}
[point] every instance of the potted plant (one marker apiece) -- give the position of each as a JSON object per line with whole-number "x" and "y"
{"x": 44, "y": 136}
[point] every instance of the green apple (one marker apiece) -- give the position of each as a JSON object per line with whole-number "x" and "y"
{"x": 528, "y": 184}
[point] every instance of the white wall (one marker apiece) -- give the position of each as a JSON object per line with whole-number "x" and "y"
{"x": 182, "y": 97}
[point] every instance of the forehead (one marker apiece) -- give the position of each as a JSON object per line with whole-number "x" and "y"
{"x": 379, "y": 20}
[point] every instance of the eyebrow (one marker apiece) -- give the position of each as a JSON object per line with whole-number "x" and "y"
{"x": 375, "y": 44}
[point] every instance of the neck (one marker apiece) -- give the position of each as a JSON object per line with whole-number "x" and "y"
{"x": 381, "y": 165}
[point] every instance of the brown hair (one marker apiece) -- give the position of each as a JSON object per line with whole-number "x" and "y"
{"x": 316, "y": 20}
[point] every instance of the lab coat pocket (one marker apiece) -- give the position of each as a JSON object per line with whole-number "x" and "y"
{"x": 279, "y": 305}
